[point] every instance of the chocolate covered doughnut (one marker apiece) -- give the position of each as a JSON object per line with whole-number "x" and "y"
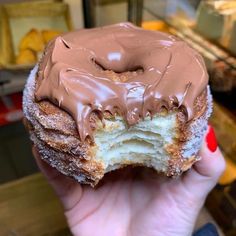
{"x": 109, "y": 97}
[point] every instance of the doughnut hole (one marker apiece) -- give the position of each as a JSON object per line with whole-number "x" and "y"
{"x": 119, "y": 76}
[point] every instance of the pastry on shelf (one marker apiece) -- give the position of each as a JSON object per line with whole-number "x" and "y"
{"x": 155, "y": 25}
{"x": 26, "y": 56}
{"x": 32, "y": 45}
{"x": 49, "y": 35}
{"x": 32, "y": 40}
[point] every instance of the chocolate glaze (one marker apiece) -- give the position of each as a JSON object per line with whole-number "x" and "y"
{"x": 120, "y": 69}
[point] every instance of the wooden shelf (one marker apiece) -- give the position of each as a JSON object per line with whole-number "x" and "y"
{"x": 29, "y": 207}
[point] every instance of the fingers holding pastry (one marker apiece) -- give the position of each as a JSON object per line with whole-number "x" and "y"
{"x": 67, "y": 189}
{"x": 205, "y": 173}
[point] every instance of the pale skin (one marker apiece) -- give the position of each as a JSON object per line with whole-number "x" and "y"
{"x": 137, "y": 202}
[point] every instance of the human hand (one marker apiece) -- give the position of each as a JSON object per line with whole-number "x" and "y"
{"x": 131, "y": 202}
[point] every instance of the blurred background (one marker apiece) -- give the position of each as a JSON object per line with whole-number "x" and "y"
{"x": 27, "y": 204}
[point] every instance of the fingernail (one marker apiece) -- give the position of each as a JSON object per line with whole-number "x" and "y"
{"x": 211, "y": 139}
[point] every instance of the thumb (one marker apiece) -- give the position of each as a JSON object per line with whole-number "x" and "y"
{"x": 205, "y": 173}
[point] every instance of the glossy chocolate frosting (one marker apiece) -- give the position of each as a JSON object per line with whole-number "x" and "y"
{"x": 120, "y": 69}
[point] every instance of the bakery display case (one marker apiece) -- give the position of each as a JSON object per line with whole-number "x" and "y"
{"x": 208, "y": 26}
{"x": 24, "y": 34}
{"x": 25, "y": 29}
{"x": 102, "y": 12}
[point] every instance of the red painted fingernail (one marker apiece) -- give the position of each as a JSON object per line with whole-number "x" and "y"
{"x": 211, "y": 140}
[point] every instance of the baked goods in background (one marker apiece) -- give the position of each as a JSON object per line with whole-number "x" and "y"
{"x": 26, "y": 56}
{"x": 32, "y": 40}
{"x": 48, "y": 35}
{"x": 155, "y": 25}
{"x": 119, "y": 95}
{"x": 32, "y": 45}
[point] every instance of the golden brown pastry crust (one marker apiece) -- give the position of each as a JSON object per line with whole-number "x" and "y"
{"x": 55, "y": 134}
